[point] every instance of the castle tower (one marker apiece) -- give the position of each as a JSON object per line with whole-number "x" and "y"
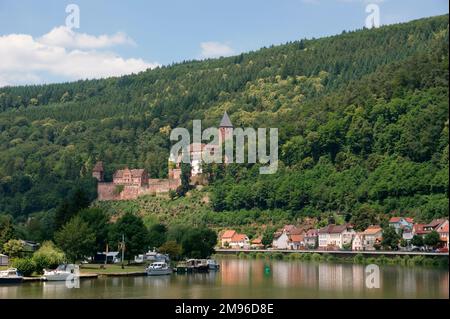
{"x": 98, "y": 171}
{"x": 225, "y": 128}
{"x": 226, "y": 132}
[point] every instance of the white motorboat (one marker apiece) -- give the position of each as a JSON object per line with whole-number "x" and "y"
{"x": 61, "y": 273}
{"x": 159, "y": 268}
{"x": 10, "y": 276}
{"x": 212, "y": 264}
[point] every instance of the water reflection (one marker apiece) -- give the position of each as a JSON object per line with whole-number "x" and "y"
{"x": 240, "y": 278}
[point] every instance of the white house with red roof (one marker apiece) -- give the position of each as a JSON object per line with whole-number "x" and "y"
{"x": 282, "y": 237}
{"x": 226, "y": 237}
{"x": 240, "y": 241}
{"x": 297, "y": 241}
{"x": 230, "y": 238}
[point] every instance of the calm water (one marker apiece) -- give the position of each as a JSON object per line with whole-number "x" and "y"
{"x": 251, "y": 279}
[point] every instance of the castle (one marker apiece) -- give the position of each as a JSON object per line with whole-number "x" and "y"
{"x": 131, "y": 183}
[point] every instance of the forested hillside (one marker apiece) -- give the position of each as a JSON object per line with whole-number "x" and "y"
{"x": 363, "y": 120}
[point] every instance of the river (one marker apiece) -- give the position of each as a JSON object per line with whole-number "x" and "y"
{"x": 243, "y": 278}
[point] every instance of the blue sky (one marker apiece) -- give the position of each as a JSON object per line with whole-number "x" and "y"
{"x": 140, "y": 34}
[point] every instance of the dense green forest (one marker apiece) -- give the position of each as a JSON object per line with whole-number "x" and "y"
{"x": 362, "y": 118}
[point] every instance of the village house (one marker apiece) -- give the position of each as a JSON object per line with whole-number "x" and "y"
{"x": 418, "y": 230}
{"x": 281, "y": 238}
{"x": 401, "y": 223}
{"x": 372, "y": 236}
{"x": 423, "y": 229}
{"x": 296, "y": 241}
{"x": 240, "y": 241}
{"x": 434, "y": 225}
{"x": 226, "y": 237}
{"x": 358, "y": 242}
{"x": 408, "y": 235}
{"x": 256, "y": 243}
{"x": 335, "y": 236}
{"x": 443, "y": 233}
{"x": 312, "y": 238}
{"x": 232, "y": 239}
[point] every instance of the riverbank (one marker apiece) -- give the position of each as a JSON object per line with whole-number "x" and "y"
{"x": 381, "y": 258}
{"x": 113, "y": 270}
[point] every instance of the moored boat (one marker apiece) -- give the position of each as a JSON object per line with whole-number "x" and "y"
{"x": 182, "y": 267}
{"x": 10, "y": 276}
{"x": 212, "y": 264}
{"x": 61, "y": 273}
{"x": 197, "y": 265}
{"x": 159, "y": 268}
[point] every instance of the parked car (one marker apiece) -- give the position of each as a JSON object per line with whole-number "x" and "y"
{"x": 442, "y": 250}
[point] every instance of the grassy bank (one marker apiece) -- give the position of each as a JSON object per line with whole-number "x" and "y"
{"x": 110, "y": 269}
{"x": 406, "y": 261}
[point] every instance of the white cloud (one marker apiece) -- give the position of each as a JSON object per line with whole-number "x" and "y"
{"x": 65, "y": 37}
{"x": 63, "y": 54}
{"x": 215, "y": 50}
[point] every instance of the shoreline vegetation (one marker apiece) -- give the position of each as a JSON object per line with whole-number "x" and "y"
{"x": 427, "y": 261}
{"x": 113, "y": 270}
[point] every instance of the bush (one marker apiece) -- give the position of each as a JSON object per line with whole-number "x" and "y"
{"x": 48, "y": 257}
{"x": 316, "y": 257}
{"x": 358, "y": 259}
{"x": 306, "y": 256}
{"x": 25, "y": 266}
{"x": 416, "y": 260}
{"x": 295, "y": 256}
{"x": 277, "y": 256}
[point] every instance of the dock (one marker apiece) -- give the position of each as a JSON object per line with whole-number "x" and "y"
{"x": 39, "y": 278}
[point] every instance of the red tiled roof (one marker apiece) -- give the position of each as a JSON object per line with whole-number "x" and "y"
{"x": 435, "y": 223}
{"x": 418, "y": 229}
{"x": 257, "y": 241}
{"x": 228, "y": 234}
{"x": 333, "y": 229}
{"x": 238, "y": 237}
{"x": 296, "y": 231}
{"x": 371, "y": 230}
{"x": 409, "y": 220}
{"x": 296, "y": 238}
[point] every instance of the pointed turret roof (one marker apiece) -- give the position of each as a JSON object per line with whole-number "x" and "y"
{"x": 225, "y": 122}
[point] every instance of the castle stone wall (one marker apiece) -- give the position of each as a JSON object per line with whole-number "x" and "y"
{"x": 108, "y": 191}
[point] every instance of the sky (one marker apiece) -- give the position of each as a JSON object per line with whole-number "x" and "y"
{"x": 42, "y": 43}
